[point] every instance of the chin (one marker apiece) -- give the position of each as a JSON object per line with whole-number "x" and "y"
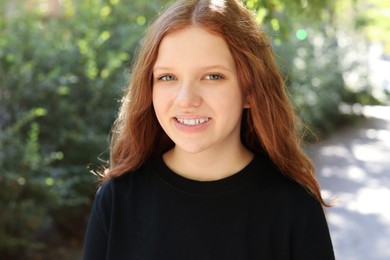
{"x": 190, "y": 149}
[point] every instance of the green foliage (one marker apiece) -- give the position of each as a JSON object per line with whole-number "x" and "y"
{"x": 19, "y": 192}
{"x": 281, "y": 15}
{"x": 374, "y": 19}
{"x": 60, "y": 81}
{"x": 314, "y": 77}
{"x": 306, "y": 43}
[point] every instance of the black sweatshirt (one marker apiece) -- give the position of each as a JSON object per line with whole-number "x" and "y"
{"x": 257, "y": 213}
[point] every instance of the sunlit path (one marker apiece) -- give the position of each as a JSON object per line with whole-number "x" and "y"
{"x": 354, "y": 167}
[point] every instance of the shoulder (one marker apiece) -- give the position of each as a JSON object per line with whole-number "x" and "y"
{"x": 287, "y": 200}
{"x": 120, "y": 185}
{"x": 279, "y": 187}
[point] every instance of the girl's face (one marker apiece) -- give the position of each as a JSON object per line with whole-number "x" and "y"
{"x": 196, "y": 94}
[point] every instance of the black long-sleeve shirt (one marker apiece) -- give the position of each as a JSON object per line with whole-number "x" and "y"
{"x": 257, "y": 213}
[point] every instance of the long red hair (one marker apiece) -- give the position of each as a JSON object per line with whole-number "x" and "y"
{"x": 269, "y": 125}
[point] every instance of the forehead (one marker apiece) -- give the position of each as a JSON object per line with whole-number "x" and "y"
{"x": 193, "y": 46}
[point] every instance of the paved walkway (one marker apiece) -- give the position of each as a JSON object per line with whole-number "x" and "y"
{"x": 353, "y": 166}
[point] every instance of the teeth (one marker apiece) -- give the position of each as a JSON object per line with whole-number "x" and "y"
{"x": 192, "y": 121}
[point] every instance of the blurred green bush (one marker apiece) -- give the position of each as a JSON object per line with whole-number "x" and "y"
{"x": 61, "y": 78}
{"x": 310, "y": 61}
{"x": 60, "y": 81}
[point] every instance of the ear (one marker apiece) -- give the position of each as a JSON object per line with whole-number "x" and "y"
{"x": 247, "y": 103}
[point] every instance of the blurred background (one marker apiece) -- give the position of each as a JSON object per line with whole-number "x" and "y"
{"x": 63, "y": 67}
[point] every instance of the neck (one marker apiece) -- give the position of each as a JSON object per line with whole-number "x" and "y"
{"x": 206, "y": 165}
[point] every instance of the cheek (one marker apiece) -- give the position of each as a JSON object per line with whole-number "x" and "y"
{"x": 156, "y": 102}
{"x": 231, "y": 100}
{"x": 160, "y": 102}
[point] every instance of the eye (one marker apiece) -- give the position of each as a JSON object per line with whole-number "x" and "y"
{"x": 167, "y": 77}
{"x": 214, "y": 77}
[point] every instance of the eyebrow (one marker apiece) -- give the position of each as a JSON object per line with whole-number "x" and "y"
{"x": 221, "y": 67}
{"x": 210, "y": 67}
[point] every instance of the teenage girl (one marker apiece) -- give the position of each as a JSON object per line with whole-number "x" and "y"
{"x": 205, "y": 160}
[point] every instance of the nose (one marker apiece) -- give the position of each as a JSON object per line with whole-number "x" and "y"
{"x": 188, "y": 95}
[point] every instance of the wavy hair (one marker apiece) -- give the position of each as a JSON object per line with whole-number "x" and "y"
{"x": 268, "y": 126}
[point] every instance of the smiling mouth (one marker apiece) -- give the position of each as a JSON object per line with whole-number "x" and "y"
{"x": 192, "y": 122}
